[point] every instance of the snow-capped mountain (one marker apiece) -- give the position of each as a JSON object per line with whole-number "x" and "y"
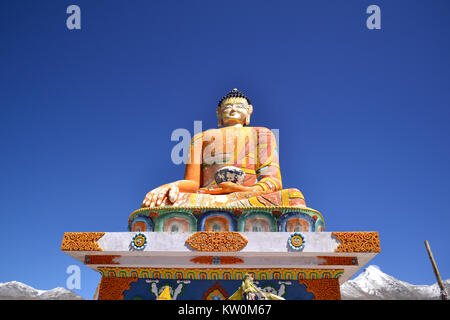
{"x": 373, "y": 284}
{"x": 15, "y": 290}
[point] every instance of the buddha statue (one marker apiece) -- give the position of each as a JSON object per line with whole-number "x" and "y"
{"x": 233, "y": 166}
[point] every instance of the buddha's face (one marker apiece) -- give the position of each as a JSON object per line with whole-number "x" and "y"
{"x": 234, "y": 112}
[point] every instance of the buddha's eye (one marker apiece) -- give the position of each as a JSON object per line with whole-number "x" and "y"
{"x": 236, "y": 106}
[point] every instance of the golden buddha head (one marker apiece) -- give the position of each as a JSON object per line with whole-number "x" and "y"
{"x": 234, "y": 109}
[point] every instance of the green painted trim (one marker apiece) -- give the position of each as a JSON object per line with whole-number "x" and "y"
{"x": 189, "y": 211}
{"x": 247, "y": 215}
{"x": 159, "y": 222}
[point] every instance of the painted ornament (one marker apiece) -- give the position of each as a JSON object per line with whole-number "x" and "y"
{"x": 139, "y": 241}
{"x": 296, "y": 241}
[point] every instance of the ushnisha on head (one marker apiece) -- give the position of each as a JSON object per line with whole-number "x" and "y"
{"x": 234, "y": 109}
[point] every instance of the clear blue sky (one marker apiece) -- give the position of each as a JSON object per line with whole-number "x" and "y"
{"x": 86, "y": 116}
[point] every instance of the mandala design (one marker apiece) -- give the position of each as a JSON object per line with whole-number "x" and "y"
{"x": 139, "y": 241}
{"x": 296, "y": 241}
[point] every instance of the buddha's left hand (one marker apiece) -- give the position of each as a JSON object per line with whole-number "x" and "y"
{"x": 227, "y": 187}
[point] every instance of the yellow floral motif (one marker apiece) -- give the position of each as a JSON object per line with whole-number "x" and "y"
{"x": 216, "y": 241}
{"x": 221, "y": 273}
{"x": 81, "y": 241}
{"x": 357, "y": 241}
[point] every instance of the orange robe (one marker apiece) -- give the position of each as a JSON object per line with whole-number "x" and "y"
{"x": 254, "y": 151}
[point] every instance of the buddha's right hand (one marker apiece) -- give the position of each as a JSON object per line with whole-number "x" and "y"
{"x": 158, "y": 196}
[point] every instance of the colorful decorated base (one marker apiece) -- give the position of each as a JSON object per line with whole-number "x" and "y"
{"x": 115, "y": 288}
{"x": 223, "y": 256}
{"x": 251, "y": 219}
